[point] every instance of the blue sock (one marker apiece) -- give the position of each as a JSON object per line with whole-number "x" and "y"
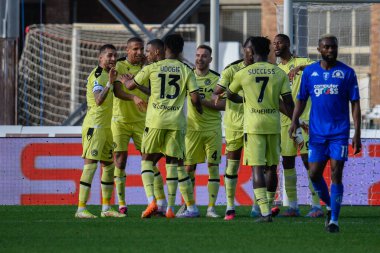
{"x": 321, "y": 189}
{"x": 336, "y": 200}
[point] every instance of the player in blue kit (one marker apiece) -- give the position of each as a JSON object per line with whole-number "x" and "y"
{"x": 331, "y": 85}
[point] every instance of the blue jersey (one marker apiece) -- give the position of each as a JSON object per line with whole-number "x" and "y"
{"x": 330, "y": 92}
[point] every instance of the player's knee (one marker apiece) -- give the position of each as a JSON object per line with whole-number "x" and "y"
{"x": 213, "y": 171}
{"x": 288, "y": 162}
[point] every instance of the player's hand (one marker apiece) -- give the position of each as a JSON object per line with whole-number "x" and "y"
{"x": 141, "y": 104}
{"x": 298, "y": 138}
{"x": 292, "y": 73}
{"x": 218, "y": 97}
{"x": 356, "y": 144}
{"x": 125, "y": 78}
{"x": 112, "y": 75}
{"x": 304, "y": 126}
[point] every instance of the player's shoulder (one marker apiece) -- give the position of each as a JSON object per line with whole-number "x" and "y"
{"x": 214, "y": 73}
{"x": 311, "y": 67}
{"x": 233, "y": 64}
{"x": 97, "y": 72}
{"x": 121, "y": 59}
{"x": 186, "y": 66}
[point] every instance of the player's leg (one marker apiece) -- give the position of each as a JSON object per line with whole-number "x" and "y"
{"x": 234, "y": 146}
{"x": 92, "y": 141}
{"x": 271, "y": 181}
{"x": 255, "y": 155}
{"x": 121, "y": 136}
{"x": 316, "y": 209}
{"x": 213, "y": 148}
{"x": 158, "y": 187}
{"x": 288, "y": 153}
{"x": 338, "y": 154}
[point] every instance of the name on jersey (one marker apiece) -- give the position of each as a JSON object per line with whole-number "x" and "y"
{"x": 263, "y": 111}
{"x": 165, "y": 107}
{"x": 171, "y": 69}
{"x": 326, "y": 89}
{"x": 261, "y": 71}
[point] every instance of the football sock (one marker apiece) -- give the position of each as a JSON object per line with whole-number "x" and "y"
{"x": 262, "y": 201}
{"x": 120, "y": 178}
{"x": 213, "y": 184}
{"x": 158, "y": 186}
{"x": 85, "y": 184}
{"x": 107, "y": 185}
{"x": 315, "y": 201}
{"x": 185, "y": 186}
{"x": 270, "y": 197}
{"x": 321, "y": 189}
{"x": 336, "y": 200}
{"x": 147, "y": 176}
{"x": 290, "y": 177}
{"x": 230, "y": 180}
{"x": 171, "y": 183}
{"x": 192, "y": 177}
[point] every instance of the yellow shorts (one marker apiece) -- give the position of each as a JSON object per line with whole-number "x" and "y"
{"x": 97, "y": 144}
{"x": 288, "y": 147}
{"x": 203, "y": 145}
{"x": 165, "y": 141}
{"x": 261, "y": 149}
{"x": 123, "y": 132}
{"x": 234, "y": 140}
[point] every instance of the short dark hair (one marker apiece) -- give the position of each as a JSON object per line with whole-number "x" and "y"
{"x": 135, "y": 39}
{"x": 175, "y": 43}
{"x": 205, "y": 47}
{"x": 261, "y": 45}
{"x": 159, "y": 44}
{"x": 105, "y": 47}
{"x": 249, "y": 39}
{"x": 284, "y": 37}
{"x": 328, "y": 36}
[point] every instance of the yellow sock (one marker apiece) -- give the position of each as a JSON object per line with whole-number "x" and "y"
{"x": 270, "y": 197}
{"x": 158, "y": 185}
{"x": 147, "y": 176}
{"x": 120, "y": 178}
{"x": 315, "y": 201}
{"x": 230, "y": 180}
{"x": 85, "y": 183}
{"x": 261, "y": 195}
{"x": 213, "y": 184}
{"x": 192, "y": 177}
{"x": 107, "y": 183}
{"x": 185, "y": 186}
{"x": 171, "y": 182}
{"x": 290, "y": 177}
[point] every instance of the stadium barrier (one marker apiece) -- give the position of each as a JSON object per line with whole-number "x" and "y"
{"x": 45, "y": 170}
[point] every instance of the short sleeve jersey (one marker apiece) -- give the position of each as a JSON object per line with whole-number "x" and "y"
{"x": 126, "y": 111}
{"x": 234, "y": 113}
{"x": 98, "y": 116}
{"x": 211, "y": 118}
{"x": 295, "y": 85}
{"x": 330, "y": 92}
{"x": 263, "y": 84}
{"x": 169, "y": 79}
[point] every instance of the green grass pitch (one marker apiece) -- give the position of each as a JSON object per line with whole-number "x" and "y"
{"x": 54, "y": 229}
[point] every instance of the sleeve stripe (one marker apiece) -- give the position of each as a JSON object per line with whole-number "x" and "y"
{"x": 286, "y": 93}
{"x": 231, "y": 91}
{"x": 224, "y": 88}
{"x": 136, "y": 82}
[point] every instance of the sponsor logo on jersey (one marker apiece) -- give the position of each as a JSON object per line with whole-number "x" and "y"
{"x": 314, "y": 73}
{"x": 326, "y": 89}
{"x": 326, "y": 75}
{"x": 338, "y": 74}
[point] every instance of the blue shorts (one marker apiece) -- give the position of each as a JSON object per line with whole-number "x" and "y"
{"x": 334, "y": 149}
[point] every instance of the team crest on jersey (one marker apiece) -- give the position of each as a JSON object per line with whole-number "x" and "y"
{"x": 326, "y": 75}
{"x": 94, "y": 152}
{"x": 207, "y": 81}
{"x": 338, "y": 74}
{"x": 314, "y": 73}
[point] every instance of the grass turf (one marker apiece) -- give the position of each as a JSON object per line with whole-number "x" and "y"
{"x": 54, "y": 229}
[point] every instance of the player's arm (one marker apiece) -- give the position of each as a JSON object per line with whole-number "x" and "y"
{"x": 356, "y": 116}
{"x": 121, "y": 94}
{"x": 218, "y": 105}
{"x": 218, "y": 94}
{"x": 196, "y": 101}
{"x": 101, "y": 94}
{"x": 234, "y": 97}
{"x": 233, "y": 89}
{"x": 284, "y": 109}
{"x": 298, "y": 110}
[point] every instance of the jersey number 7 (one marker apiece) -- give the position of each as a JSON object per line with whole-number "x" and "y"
{"x": 264, "y": 80}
